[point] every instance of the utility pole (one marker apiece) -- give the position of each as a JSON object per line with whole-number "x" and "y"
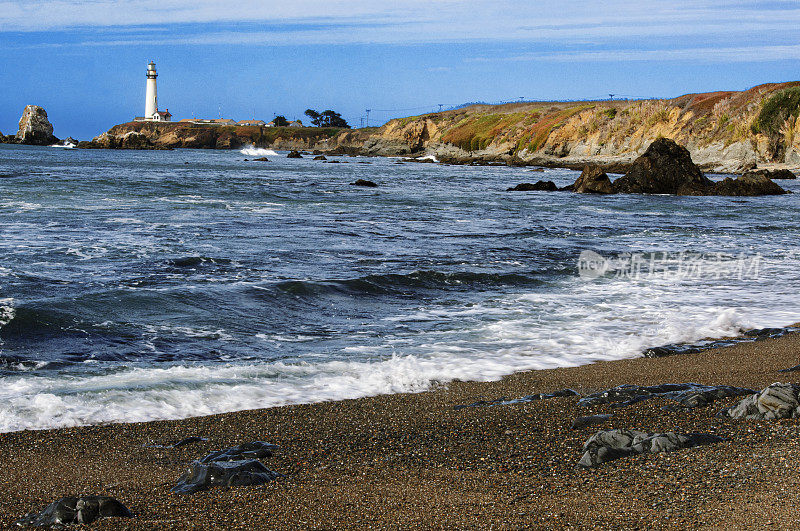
{"x": 362, "y": 122}
{"x": 368, "y": 117}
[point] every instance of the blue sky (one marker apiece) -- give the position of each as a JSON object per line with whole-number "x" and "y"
{"x": 84, "y": 61}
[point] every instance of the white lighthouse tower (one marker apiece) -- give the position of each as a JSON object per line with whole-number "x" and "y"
{"x": 151, "y": 99}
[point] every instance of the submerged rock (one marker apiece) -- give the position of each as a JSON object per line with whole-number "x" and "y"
{"x": 538, "y": 186}
{"x": 608, "y": 445}
{"x": 362, "y": 182}
{"x": 688, "y": 395}
{"x": 665, "y": 168}
{"x": 529, "y": 398}
{"x": 593, "y": 180}
{"x": 261, "y": 159}
{"x": 76, "y": 510}
{"x": 778, "y": 401}
{"x": 34, "y": 127}
{"x": 294, "y": 155}
{"x": 320, "y": 157}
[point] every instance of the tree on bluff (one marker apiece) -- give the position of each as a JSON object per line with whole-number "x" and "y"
{"x": 280, "y": 121}
{"x": 326, "y": 119}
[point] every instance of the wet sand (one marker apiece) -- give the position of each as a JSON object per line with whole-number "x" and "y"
{"x": 412, "y": 460}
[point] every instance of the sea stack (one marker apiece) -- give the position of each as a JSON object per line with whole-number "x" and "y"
{"x": 34, "y": 127}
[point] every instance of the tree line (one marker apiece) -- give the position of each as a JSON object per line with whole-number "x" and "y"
{"x": 318, "y": 119}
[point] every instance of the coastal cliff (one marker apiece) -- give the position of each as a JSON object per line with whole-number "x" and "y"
{"x": 723, "y": 131}
{"x": 168, "y": 135}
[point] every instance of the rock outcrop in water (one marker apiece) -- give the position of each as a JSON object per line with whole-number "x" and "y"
{"x": 538, "y": 186}
{"x": 749, "y": 184}
{"x": 34, "y": 127}
{"x": 75, "y": 510}
{"x": 665, "y": 168}
{"x": 365, "y": 183}
{"x": 593, "y": 180}
{"x": 608, "y": 445}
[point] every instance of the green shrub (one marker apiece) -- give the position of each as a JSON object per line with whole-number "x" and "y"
{"x": 776, "y": 110}
{"x": 610, "y": 113}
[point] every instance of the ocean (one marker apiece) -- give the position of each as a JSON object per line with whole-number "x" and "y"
{"x": 144, "y": 285}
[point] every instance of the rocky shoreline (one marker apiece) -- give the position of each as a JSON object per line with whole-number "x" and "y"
{"x": 725, "y": 132}
{"x": 582, "y": 451}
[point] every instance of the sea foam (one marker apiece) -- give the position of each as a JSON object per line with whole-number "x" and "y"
{"x": 252, "y": 151}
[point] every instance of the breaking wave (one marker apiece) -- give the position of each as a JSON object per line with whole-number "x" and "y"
{"x": 252, "y": 151}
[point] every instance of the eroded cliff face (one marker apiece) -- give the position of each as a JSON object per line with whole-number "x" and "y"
{"x": 717, "y": 128}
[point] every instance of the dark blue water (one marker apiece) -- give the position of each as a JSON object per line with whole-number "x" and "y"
{"x": 164, "y": 284}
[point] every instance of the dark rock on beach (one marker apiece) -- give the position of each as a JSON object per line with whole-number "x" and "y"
{"x": 777, "y": 401}
{"x": 522, "y": 400}
{"x": 593, "y": 180}
{"x": 294, "y": 155}
{"x": 689, "y": 395}
{"x": 252, "y": 450}
{"x": 202, "y": 476}
{"x": 608, "y": 445}
{"x": 756, "y": 334}
{"x": 232, "y": 467}
{"x": 363, "y": 182}
{"x": 665, "y": 168}
{"x": 76, "y": 510}
{"x": 538, "y": 186}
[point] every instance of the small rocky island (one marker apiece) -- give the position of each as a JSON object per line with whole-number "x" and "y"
{"x": 34, "y": 129}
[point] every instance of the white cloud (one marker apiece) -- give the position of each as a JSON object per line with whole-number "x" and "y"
{"x": 564, "y": 25}
{"x": 735, "y": 54}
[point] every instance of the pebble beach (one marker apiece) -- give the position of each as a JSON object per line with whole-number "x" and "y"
{"x": 418, "y": 460}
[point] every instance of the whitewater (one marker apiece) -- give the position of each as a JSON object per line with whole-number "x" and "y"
{"x": 142, "y": 286}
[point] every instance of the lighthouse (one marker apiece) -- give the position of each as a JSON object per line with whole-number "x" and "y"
{"x": 151, "y": 98}
{"x": 151, "y": 112}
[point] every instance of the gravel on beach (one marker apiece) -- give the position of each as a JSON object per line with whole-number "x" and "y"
{"x": 416, "y": 461}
